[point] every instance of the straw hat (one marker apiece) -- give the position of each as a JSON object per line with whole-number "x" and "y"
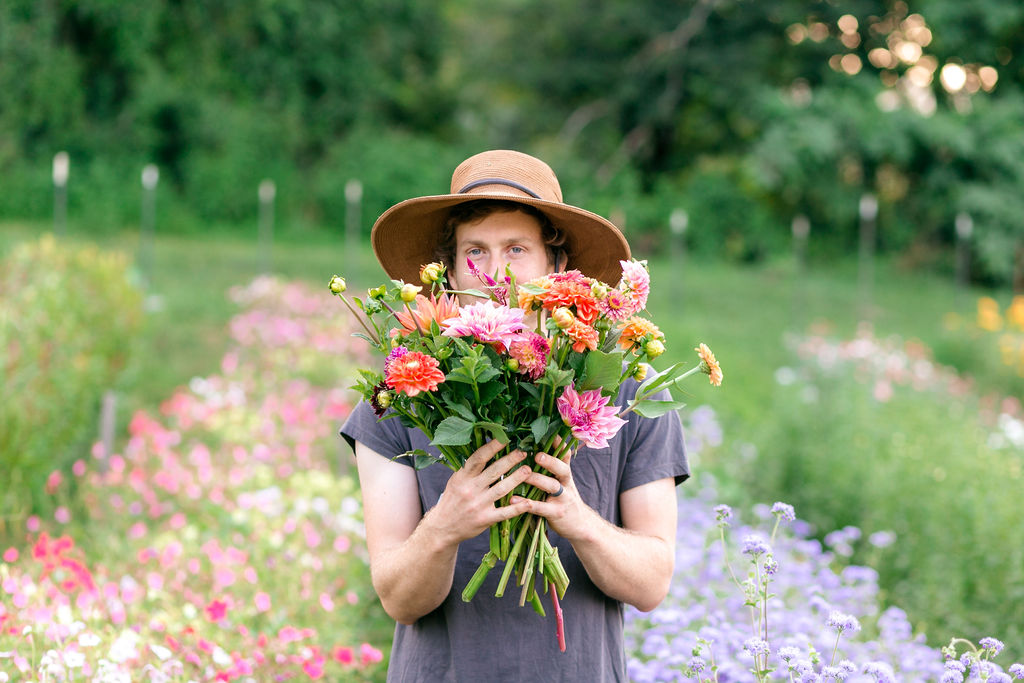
{"x": 405, "y": 236}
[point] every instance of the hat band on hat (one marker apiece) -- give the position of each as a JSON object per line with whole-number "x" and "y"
{"x": 498, "y": 181}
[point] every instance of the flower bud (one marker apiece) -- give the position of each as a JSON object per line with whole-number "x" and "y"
{"x": 563, "y": 317}
{"x": 599, "y": 289}
{"x": 512, "y": 364}
{"x": 431, "y": 273}
{"x": 654, "y": 348}
{"x": 409, "y": 293}
{"x": 640, "y": 374}
{"x": 337, "y": 285}
{"x": 383, "y": 399}
{"x": 378, "y": 292}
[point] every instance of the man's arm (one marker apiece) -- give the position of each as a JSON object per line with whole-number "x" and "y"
{"x": 632, "y": 563}
{"x": 412, "y": 559}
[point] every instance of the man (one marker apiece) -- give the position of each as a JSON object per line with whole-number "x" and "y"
{"x": 612, "y": 511}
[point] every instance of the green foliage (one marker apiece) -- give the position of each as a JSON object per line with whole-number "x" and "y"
{"x": 68, "y": 320}
{"x": 917, "y": 463}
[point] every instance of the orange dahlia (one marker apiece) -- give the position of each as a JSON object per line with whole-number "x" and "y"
{"x": 426, "y": 311}
{"x": 413, "y": 372}
{"x": 583, "y": 336}
{"x": 574, "y": 295}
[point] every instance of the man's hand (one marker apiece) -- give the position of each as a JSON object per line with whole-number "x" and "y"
{"x": 466, "y": 508}
{"x": 632, "y": 563}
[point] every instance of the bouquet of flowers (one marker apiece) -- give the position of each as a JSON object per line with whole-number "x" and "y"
{"x": 536, "y": 365}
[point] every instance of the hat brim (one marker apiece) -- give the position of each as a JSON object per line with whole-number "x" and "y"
{"x": 405, "y": 236}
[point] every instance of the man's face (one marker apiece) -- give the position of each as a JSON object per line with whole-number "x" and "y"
{"x": 507, "y": 237}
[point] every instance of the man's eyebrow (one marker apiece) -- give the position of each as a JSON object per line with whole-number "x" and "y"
{"x": 476, "y": 242}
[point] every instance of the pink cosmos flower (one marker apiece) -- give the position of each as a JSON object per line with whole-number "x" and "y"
{"x": 589, "y": 416}
{"x": 487, "y": 322}
{"x": 216, "y": 610}
{"x": 532, "y": 353}
{"x": 636, "y": 281}
{"x": 368, "y": 654}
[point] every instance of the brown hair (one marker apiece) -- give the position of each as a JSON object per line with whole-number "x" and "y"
{"x": 471, "y": 212}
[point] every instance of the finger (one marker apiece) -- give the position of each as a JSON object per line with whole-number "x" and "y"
{"x": 476, "y": 462}
{"x": 501, "y": 489}
{"x": 502, "y": 465}
{"x": 558, "y": 468}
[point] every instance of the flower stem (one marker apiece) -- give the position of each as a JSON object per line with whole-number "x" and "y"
{"x": 486, "y": 565}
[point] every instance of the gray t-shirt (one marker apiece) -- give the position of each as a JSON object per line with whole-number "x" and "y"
{"x": 494, "y": 639}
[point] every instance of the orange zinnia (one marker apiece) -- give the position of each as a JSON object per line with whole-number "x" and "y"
{"x": 413, "y": 372}
{"x": 635, "y": 329}
{"x": 709, "y": 364}
{"x": 426, "y": 311}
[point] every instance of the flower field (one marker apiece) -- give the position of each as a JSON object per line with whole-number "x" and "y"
{"x": 224, "y": 542}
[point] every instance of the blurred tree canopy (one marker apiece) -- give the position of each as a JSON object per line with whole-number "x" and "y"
{"x": 742, "y": 112}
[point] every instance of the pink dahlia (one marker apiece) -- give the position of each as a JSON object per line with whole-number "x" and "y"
{"x": 532, "y": 354}
{"x": 589, "y": 416}
{"x": 487, "y": 322}
{"x": 618, "y": 305}
{"x": 636, "y": 281}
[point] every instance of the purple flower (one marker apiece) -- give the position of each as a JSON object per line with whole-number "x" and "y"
{"x": 843, "y": 622}
{"x": 784, "y": 512}
{"x": 722, "y": 514}
{"x": 882, "y": 539}
{"x": 957, "y": 666}
{"x": 848, "y": 668}
{"x": 991, "y": 644}
{"x": 752, "y": 545}
{"x": 771, "y": 567}
{"x": 756, "y": 646}
{"x": 951, "y": 677}
{"x": 788, "y": 653}
{"x": 697, "y": 664}
{"x": 1017, "y": 671}
{"x": 881, "y": 672}
{"x": 1000, "y": 677}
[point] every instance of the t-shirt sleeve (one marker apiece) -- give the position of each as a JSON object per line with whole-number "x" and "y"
{"x": 387, "y": 437}
{"x": 655, "y": 450}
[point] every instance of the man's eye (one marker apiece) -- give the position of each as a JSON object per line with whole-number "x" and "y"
{"x": 517, "y": 250}
{"x": 474, "y": 252}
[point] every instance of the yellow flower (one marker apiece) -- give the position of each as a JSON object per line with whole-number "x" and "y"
{"x": 988, "y": 315}
{"x": 640, "y": 374}
{"x": 709, "y": 365}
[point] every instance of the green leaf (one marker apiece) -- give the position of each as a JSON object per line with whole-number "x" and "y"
{"x": 539, "y": 427}
{"x": 496, "y": 431}
{"x": 602, "y": 371}
{"x": 464, "y": 411}
{"x": 651, "y": 408}
{"x": 420, "y": 458}
{"x": 453, "y": 431}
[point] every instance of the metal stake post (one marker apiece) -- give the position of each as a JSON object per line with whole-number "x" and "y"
{"x": 61, "y": 169}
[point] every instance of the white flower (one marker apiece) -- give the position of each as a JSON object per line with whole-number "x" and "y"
{"x": 73, "y": 660}
{"x": 88, "y": 640}
{"x": 123, "y": 648}
{"x": 161, "y": 652}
